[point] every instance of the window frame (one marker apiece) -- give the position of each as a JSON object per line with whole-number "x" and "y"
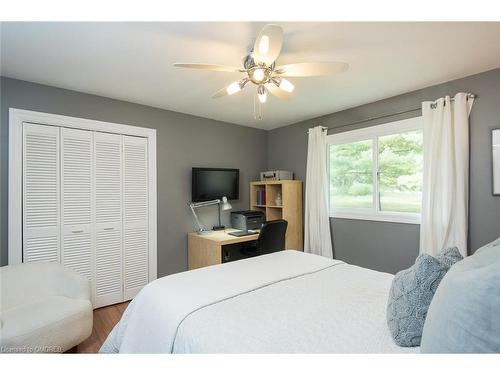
{"x": 373, "y": 133}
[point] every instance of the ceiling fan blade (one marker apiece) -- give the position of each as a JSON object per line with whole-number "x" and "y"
{"x": 276, "y": 91}
{"x": 311, "y": 69}
{"x": 268, "y": 44}
{"x": 213, "y": 67}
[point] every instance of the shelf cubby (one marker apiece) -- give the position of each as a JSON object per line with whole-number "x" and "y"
{"x": 289, "y": 210}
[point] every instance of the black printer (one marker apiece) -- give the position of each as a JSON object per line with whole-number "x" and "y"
{"x": 247, "y": 220}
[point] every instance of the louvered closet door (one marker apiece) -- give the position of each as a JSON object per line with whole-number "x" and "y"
{"x": 76, "y": 200}
{"x": 108, "y": 219}
{"x": 135, "y": 218}
{"x": 41, "y": 207}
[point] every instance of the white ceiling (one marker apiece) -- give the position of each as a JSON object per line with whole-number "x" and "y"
{"x": 133, "y": 62}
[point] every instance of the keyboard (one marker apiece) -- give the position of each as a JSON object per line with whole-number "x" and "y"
{"x": 241, "y": 233}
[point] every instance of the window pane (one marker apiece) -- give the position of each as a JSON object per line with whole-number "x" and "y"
{"x": 351, "y": 176}
{"x": 400, "y": 172}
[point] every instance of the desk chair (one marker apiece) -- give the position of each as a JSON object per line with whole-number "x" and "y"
{"x": 271, "y": 239}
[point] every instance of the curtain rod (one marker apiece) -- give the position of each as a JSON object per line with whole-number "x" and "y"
{"x": 471, "y": 96}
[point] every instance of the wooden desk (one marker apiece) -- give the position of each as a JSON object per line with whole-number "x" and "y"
{"x": 206, "y": 249}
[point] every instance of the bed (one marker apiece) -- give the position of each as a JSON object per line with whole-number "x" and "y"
{"x": 285, "y": 302}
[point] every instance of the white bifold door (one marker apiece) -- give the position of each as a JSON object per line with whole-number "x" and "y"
{"x": 108, "y": 218}
{"x": 85, "y": 204}
{"x": 41, "y": 194}
{"x": 76, "y": 201}
{"x": 135, "y": 215}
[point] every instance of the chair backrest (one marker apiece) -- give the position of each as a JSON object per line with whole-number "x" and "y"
{"x": 272, "y": 236}
{"x": 29, "y": 282}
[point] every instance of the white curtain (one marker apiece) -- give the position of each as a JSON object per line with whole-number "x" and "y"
{"x": 445, "y": 194}
{"x": 317, "y": 239}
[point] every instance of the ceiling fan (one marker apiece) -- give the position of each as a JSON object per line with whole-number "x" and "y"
{"x": 260, "y": 68}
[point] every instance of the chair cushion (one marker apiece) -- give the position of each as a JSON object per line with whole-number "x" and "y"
{"x": 464, "y": 316}
{"x": 54, "y": 324}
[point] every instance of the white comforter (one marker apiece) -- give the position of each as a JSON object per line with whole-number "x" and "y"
{"x": 286, "y": 302}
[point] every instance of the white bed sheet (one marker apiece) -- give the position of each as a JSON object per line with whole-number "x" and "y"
{"x": 286, "y": 302}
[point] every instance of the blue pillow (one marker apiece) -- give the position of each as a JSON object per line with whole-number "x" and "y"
{"x": 464, "y": 316}
{"x": 410, "y": 296}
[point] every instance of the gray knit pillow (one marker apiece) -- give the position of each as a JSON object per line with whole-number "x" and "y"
{"x": 449, "y": 256}
{"x": 409, "y": 299}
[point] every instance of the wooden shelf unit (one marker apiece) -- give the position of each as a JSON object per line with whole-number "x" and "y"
{"x": 290, "y": 209}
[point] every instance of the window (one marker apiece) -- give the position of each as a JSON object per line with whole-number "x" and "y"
{"x": 376, "y": 173}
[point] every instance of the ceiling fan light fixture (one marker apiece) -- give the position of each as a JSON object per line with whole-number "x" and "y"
{"x": 264, "y": 44}
{"x": 262, "y": 94}
{"x": 233, "y": 88}
{"x": 258, "y": 75}
{"x": 286, "y": 85}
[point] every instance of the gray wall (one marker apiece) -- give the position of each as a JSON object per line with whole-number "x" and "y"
{"x": 391, "y": 247}
{"x": 183, "y": 141}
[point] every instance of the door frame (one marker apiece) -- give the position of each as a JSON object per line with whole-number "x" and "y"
{"x": 16, "y": 119}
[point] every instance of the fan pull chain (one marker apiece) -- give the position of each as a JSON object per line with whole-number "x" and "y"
{"x": 257, "y": 108}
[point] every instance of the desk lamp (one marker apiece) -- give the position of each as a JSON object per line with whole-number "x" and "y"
{"x": 223, "y": 204}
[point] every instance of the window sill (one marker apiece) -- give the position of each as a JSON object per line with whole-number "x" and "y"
{"x": 385, "y": 217}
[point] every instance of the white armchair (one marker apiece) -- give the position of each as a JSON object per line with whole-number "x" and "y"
{"x": 44, "y": 307}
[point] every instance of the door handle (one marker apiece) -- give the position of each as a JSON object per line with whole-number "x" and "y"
{"x": 110, "y": 228}
{"x": 77, "y": 231}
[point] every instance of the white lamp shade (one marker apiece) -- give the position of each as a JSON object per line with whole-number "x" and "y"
{"x": 225, "y": 204}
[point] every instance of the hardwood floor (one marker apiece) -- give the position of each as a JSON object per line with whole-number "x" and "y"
{"x": 105, "y": 319}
